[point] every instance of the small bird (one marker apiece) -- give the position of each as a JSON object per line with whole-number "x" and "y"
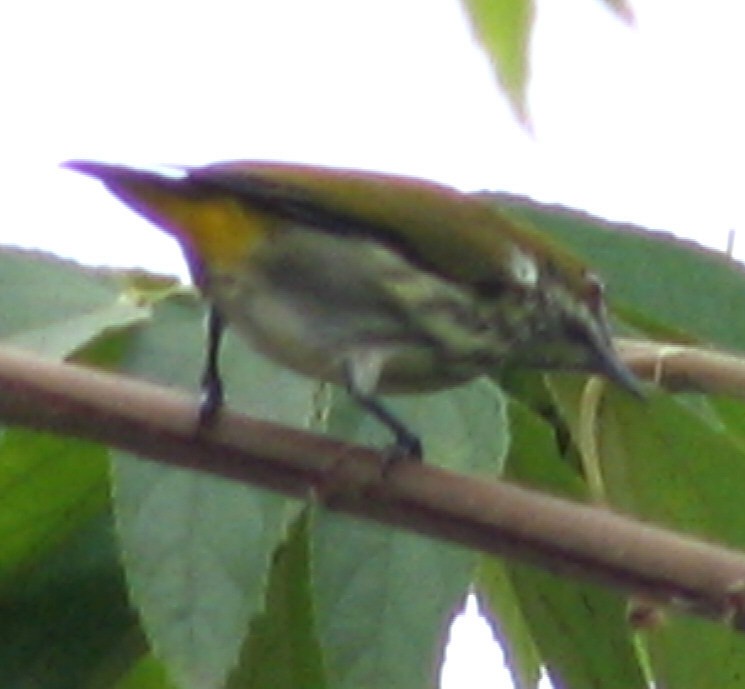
{"x": 380, "y": 283}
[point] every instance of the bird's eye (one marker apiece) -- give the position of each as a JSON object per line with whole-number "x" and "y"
{"x": 524, "y": 269}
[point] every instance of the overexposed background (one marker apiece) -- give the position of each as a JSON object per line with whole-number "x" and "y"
{"x": 642, "y": 123}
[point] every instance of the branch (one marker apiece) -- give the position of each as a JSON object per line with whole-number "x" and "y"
{"x": 682, "y": 367}
{"x": 493, "y": 516}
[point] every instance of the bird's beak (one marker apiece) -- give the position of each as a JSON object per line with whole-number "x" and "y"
{"x": 610, "y": 364}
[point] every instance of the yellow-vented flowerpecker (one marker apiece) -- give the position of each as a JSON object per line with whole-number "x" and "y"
{"x": 380, "y": 283}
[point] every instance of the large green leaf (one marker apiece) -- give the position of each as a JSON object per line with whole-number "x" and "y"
{"x": 197, "y": 548}
{"x": 383, "y": 599}
{"x": 579, "y": 629}
{"x": 666, "y": 460}
{"x": 678, "y": 469}
{"x": 282, "y": 650}
{"x": 672, "y": 462}
{"x": 379, "y": 590}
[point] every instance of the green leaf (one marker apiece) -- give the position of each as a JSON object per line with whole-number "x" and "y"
{"x": 282, "y": 650}
{"x": 49, "y": 488}
{"x": 677, "y": 469}
{"x": 500, "y": 604}
{"x": 670, "y": 281}
{"x": 196, "y": 553}
{"x": 54, "y": 307}
{"x": 65, "y": 615}
{"x": 197, "y": 548}
{"x": 580, "y": 629}
{"x": 503, "y": 27}
{"x": 379, "y": 590}
{"x": 60, "y": 339}
{"x": 369, "y": 580}
{"x": 731, "y": 412}
{"x": 670, "y": 464}
{"x": 147, "y": 673}
{"x": 664, "y": 460}
{"x": 463, "y": 429}
{"x": 690, "y": 653}
{"x": 384, "y": 599}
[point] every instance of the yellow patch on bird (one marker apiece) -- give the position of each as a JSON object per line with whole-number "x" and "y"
{"x": 224, "y": 232}
{"x": 219, "y": 229}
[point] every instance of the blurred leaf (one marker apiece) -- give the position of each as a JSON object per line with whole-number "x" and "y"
{"x": 501, "y": 607}
{"x": 54, "y": 307}
{"x": 62, "y": 601}
{"x": 503, "y": 28}
{"x": 622, "y": 8}
{"x": 731, "y": 412}
{"x": 106, "y": 350}
{"x": 384, "y": 599}
{"x": 197, "y": 548}
{"x": 145, "y": 288}
{"x": 671, "y": 281}
{"x": 60, "y": 339}
{"x": 690, "y": 653}
{"x": 580, "y": 629}
{"x": 49, "y": 488}
{"x": 147, "y": 673}
{"x": 52, "y": 485}
{"x": 282, "y": 650}
{"x": 63, "y": 617}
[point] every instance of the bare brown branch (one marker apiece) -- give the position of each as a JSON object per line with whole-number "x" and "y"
{"x": 493, "y": 516}
{"x": 681, "y": 367}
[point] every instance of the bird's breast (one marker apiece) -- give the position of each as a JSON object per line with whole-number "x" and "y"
{"x": 316, "y": 301}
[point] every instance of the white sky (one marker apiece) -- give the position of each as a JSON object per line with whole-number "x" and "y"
{"x": 642, "y": 124}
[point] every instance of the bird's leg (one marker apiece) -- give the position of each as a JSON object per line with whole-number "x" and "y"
{"x": 211, "y": 383}
{"x": 407, "y": 446}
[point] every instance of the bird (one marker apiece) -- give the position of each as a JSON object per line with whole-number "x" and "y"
{"x": 381, "y": 283}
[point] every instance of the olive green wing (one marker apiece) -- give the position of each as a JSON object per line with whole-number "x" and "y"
{"x": 458, "y": 236}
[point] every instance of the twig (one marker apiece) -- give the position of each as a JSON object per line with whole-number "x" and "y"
{"x": 681, "y": 367}
{"x": 492, "y": 516}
